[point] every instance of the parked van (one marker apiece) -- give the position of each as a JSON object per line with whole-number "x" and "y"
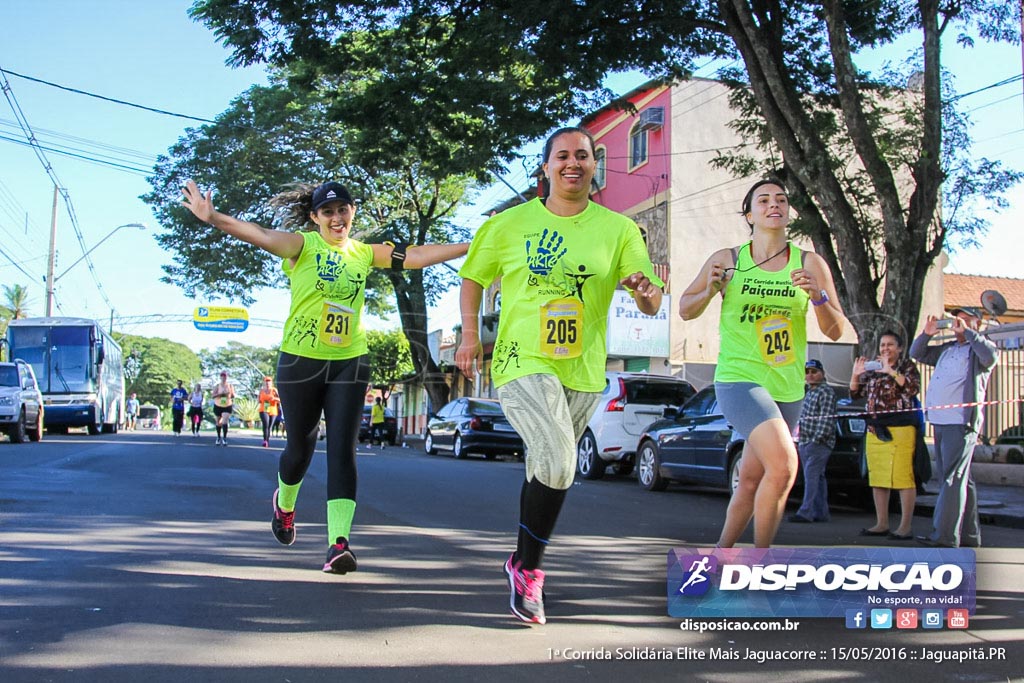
{"x": 149, "y": 417}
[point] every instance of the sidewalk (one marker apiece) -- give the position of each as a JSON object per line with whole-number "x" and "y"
{"x": 1000, "y": 494}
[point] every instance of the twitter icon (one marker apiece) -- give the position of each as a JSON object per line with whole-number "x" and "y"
{"x": 881, "y": 618}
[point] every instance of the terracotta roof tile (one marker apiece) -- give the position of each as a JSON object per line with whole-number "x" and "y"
{"x": 965, "y": 290}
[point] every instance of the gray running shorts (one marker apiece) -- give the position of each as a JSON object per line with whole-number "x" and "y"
{"x": 746, "y": 405}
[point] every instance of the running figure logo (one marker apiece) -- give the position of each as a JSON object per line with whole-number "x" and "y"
{"x": 697, "y": 579}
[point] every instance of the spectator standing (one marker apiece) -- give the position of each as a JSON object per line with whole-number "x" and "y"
{"x": 890, "y": 384}
{"x": 962, "y": 369}
{"x": 817, "y": 439}
{"x": 178, "y": 396}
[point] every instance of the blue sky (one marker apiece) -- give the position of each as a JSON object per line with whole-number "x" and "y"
{"x": 151, "y": 53}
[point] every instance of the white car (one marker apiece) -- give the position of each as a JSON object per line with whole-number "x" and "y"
{"x": 630, "y": 402}
{"x": 21, "y": 403}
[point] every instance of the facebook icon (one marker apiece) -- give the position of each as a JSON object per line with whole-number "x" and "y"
{"x": 855, "y": 618}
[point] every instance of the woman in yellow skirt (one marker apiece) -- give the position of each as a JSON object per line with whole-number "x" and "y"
{"x": 890, "y": 383}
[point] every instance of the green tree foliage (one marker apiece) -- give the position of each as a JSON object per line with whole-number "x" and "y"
{"x": 273, "y": 136}
{"x": 390, "y": 359}
{"x": 154, "y": 365}
{"x": 15, "y": 305}
{"x": 495, "y": 74}
{"x": 246, "y": 366}
{"x": 16, "y": 302}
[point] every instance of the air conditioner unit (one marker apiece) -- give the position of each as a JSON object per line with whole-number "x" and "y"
{"x": 652, "y": 118}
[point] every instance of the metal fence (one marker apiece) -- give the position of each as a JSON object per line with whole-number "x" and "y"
{"x": 1005, "y": 386}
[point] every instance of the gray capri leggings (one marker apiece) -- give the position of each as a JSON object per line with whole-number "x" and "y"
{"x": 746, "y": 405}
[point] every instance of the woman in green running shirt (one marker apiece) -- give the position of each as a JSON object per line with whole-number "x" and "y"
{"x": 560, "y": 260}
{"x": 765, "y": 286}
{"x": 323, "y": 362}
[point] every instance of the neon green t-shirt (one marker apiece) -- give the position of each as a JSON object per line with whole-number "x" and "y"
{"x": 763, "y": 328}
{"x": 328, "y": 287}
{"x": 557, "y": 279}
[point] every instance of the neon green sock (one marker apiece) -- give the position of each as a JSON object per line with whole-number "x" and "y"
{"x": 287, "y": 494}
{"x": 340, "y": 512}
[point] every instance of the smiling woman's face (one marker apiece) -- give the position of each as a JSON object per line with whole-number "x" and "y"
{"x": 769, "y": 207}
{"x": 571, "y": 165}
{"x": 889, "y": 347}
{"x": 334, "y": 220}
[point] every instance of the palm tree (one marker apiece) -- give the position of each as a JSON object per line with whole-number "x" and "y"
{"x": 15, "y": 303}
{"x": 14, "y": 306}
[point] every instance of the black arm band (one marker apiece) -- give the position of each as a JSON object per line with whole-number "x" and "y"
{"x": 397, "y": 254}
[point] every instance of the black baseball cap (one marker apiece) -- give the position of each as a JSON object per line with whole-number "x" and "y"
{"x": 331, "y": 192}
{"x": 814, "y": 363}
{"x": 969, "y": 310}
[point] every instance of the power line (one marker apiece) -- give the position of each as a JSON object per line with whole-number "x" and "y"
{"x": 83, "y": 157}
{"x": 123, "y": 151}
{"x": 7, "y": 256}
{"x": 26, "y": 128}
{"x": 997, "y": 84}
{"x": 107, "y": 99}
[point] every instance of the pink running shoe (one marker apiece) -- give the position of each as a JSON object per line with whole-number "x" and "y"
{"x": 526, "y": 592}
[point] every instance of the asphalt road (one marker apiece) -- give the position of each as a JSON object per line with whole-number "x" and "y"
{"x": 147, "y": 557}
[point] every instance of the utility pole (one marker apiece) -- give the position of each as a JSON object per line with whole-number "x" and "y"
{"x": 53, "y": 247}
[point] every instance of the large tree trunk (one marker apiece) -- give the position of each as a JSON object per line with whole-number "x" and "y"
{"x": 412, "y": 309}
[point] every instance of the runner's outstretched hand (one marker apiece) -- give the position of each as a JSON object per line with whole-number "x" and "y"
{"x": 199, "y": 204}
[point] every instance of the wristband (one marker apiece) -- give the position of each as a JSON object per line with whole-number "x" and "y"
{"x": 823, "y": 300}
{"x": 397, "y": 254}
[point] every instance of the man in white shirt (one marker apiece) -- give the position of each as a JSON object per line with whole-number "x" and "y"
{"x": 962, "y": 369}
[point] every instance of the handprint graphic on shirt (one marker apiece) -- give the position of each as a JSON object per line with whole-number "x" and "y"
{"x": 540, "y": 259}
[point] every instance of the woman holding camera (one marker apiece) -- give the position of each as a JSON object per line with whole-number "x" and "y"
{"x": 890, "y": 384}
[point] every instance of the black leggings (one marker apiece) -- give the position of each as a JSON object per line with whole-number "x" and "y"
{"x": 267, "y": 421}
{"x": 338, "y": 389}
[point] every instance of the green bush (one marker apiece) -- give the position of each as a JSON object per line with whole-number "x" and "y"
{"x": 247, "y": 410}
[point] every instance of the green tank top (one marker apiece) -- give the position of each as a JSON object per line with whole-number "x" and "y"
{"x": 763, "y": 328}
{"x": 328, "y": 285}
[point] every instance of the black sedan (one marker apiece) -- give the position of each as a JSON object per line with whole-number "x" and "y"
{"x": 475, "y": 425}
{"x": 698, "y": 445}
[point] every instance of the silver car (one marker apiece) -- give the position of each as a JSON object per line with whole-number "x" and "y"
{"x": 21, "y": 403}
{"x": 630, "y": 402}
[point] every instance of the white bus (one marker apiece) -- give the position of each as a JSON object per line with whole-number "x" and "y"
{"x": 79, "y": 370}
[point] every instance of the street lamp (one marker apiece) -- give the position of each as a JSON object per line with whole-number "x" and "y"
{"x": 51, "y": 281}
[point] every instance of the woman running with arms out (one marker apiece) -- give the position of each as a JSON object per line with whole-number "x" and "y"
{"x": 323, "y": 365}
{"x": 759, "y": 380}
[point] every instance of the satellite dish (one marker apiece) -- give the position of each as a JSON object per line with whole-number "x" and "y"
{"x": 993, "y": 302}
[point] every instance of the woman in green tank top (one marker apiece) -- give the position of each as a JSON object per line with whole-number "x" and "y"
{"x": 765, "y": 286}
